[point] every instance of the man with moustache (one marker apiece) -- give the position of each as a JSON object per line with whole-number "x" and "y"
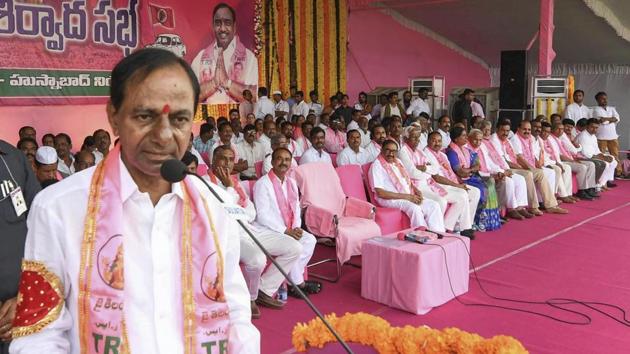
{"x": 316, "y": 153}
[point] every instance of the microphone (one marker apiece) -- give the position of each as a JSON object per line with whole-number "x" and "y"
{"x": 174, "y": 171}
{"x": 412, "y": 238}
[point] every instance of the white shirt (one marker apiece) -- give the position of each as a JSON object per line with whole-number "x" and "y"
{"x": 301, "y": 108}
{"x": 315, "y": 108}
{"x": 446, "y": 138}
{"x": 304, "y": 144}
{"x": 347, "y": 156}
{"x": 477, "y": 109}
{"x": 576, "y": 112}
{"x": 252, "y": 154}
{"x": 312, "y": 155}
{"x": 266, "y": 142}
{"x": 269, "y": 215}
{"x": 393, "y": 111}
{"x": 250, "y": 68}
{"x": 433, "y": 165}
{"x": 282, "y": 106}
{"x": 236, "y": 139}
{"x": 606, "y": 130}
{"x": 556, "y": 149}
{"x": 153, "y": 298}
{"x": 410, "y": 166}
{"x": 64, "y": 169}
{"x": 372, "y": 151}
{"x": 538, "y": 146}
{"x": 589, "y": 144}
{"x": 424, "y": 140}
{"x": 295, "y": 148}
{"x": 365, "y": 136}
{"x": 381, "y": 179}
{"x": 490, "y": 164}
{"x": 417, "y": 106}
{"x": 568, "y": 145}
{"x": 263, "y": 107}
{"x": 200, "y": 160}
{"x": 498, "y": 146}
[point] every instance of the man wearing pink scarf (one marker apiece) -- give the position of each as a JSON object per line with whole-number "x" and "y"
{"x": 117, "y": 259}
{"x": 525, "y": 156}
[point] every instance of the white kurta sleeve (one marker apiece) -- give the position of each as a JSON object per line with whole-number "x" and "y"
{"x": 44, "y": 244}
{"x": 266, "y": 206}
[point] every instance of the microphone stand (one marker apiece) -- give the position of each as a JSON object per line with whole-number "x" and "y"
{"x": 284, "y": 274}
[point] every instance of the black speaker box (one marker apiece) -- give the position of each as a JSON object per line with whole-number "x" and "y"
{"x": 513, "y": 90}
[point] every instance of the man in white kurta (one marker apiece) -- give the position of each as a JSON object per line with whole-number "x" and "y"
{"x": 316, "y": 152}
{"x": 378, "y": 135}
{"x": 444, "y": 124}
{"x": 419, "y": 104}
{"x": 453, "y": 201}
{"x": 251, "y": 151}
{"x": 225, "y": 68}
{"x": 577, "y": 110}
{"x": 590, "y": 149}
{"x": 286, "y": 250}
{"x": 270, "y": 217}
{"x": 147, "y": 205}
{"x": 393, "y": 191}
{"x": 564, "y": 181}
{"x": 301, "y": 108}
{"x": 607, "y": 136}
{"x": 353, "y": 153}
{"x": 263, "y": 106}
{"x": 534, "y": 146}
{"x": 277, "y": 141}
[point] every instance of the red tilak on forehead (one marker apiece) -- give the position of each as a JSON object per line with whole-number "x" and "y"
{"x": 166, "y": 108}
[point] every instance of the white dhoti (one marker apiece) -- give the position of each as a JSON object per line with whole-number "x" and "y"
{"x": 427, "y": 214}
{"x": 585, "y": 173}
{"x": 474, "y": 194}
{"x": 286, "y": 251}
{"x": 308, "y": 243}
{"x": 454, "y": 206}
{"x": 564, "y": 181}
{"x": 609, "y": 173}
{"x": 550, "y": 175}
{"x": 512, "y": 192}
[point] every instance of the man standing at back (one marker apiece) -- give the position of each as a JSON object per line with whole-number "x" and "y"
{"x": 121, "y": 237}
{"x": 225, "y": 69}
{"x": 607, "y": 132}
{"x": 264, "y": 105}
{"x": 577, "y": 110}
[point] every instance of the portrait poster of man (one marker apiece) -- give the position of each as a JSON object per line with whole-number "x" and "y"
{"x": 225, "y": 67}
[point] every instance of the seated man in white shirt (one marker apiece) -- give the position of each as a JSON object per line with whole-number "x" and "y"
{"x": 353, "y": 154}
{"x": 574, "y": 150}
{"x": 276, "y": 198}
{"x": 564, "y": 181}
{"x": 225, "y": 139}
{"x": 316, "y": 152}
{"x": 286, "y": 250}
{"x": 303, "y": 141}
{"x": 335, "y": 140}
{"x": 607, "y": 137}
{"x": 287, "y": 130}
{"x": 453, "y": 201}
{"x": 441, "y": 171}
{"x": 577, "y": 110}
{"x": 444, "y": 128}
{"x": 277, "y": 141}
{"x": 590, "y": 149}
{"x": 63, "y": 145}
{"x": 378, "y": 136}
{"x": 269, "y": 129}
{"x": 251, "y": 151}
{"x": 393, "y": 189}
{"x": 523, "y": 147}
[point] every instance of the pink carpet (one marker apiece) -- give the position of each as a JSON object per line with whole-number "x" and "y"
{"x": 581, "y": 255}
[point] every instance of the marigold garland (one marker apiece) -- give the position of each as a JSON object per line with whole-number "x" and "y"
{"x": 258, "y": 27}
{"x": 376, "y": 332}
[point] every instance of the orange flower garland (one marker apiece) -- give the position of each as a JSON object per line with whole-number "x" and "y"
{"x": 377, "y": 333}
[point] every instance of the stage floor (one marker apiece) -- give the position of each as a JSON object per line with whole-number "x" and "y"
{"x": 582, "y": 255}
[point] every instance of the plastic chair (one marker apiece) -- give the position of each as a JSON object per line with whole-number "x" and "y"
{"x": 328, "y": 212}
{"x": 390, "y": 220}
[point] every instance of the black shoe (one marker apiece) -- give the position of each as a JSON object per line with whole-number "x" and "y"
{"x": 623, "y": 177}
{"x": 611, "y": 184}
{"x": 582, "y": 194}
{"x": 470, "y": 233}
{"x": 593, "y": 192}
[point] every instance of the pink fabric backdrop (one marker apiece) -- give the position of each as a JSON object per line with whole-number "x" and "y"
{"x": 389, "y": 54}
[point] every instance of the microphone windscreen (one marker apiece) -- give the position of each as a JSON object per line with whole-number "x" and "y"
{"x": 173, "y": 170}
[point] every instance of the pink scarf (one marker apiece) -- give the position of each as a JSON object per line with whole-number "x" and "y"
{"x": 286, "y": 205}
{"x": 235, "y": 68}
{"x": 445, "y": 166}
{"x": 242, "y": 197}
{"x": 392, "y": 176}
{"x": 507, "y": 147}
{"x": 463, "y": 155}
{"x": 563, "y": 150}
{"x": 102, "y": 266}
{"x": 527, "y": 148}
{"x": 417, "y": 157}
{"x": 494, "y": 155}
{"x": 336, "y": 138}
{"x": 482, "y": 158}
{"x": 305, "y": 142}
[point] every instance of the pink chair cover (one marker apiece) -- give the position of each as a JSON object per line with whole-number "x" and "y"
{"x": 411, "y": 276}
{"x": 323, "y": 198}
{"x": 351, "y": 181}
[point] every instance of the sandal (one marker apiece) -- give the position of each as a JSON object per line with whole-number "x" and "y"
{"x": 310, "y": 287}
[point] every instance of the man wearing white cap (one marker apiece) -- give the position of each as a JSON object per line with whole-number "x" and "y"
{"x": 281, "y": 106}
{"x": 46, "y": 162}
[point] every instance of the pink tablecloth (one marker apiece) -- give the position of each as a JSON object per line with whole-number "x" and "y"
{"x": 411, "y": 276}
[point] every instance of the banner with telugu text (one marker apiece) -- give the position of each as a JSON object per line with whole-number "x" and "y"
{"x": 62, "y": 52}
